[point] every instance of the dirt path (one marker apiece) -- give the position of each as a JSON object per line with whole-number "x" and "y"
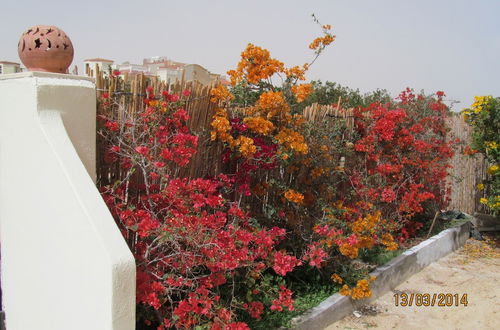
{"x": 474, "y": 269}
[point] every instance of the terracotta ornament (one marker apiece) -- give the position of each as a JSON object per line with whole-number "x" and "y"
{"x": 45, "y": 48}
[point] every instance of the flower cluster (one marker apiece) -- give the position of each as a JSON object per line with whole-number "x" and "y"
{"x": 294, "y": 196}
{"x": 293, "y": 140}
{"x": 259, "y": 125}
{"x": 206, "y": 247}
{"x": 363, "y": 228}
{"x": 302, "y": 91}
{"x": 484, "y": 117}
{"x": 263, "y": 135}
{"x": 284, "y": 300}
{"x": 360, "y": 291}
{"x": 406, "y": 152}
{"x": 256, "y": 64}
{"x": 193, "y": 247}
{"x": 320, "y": 43}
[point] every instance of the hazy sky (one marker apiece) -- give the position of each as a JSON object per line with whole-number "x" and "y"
{"x": 449, "y": 45}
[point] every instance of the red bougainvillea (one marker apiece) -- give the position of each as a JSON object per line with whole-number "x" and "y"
{"x": 194, "y": 248}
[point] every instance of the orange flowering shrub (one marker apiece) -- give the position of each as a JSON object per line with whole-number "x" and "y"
{"x": 360, "y": 291}
{"x": 293, "y": 196}
{"x": 385, "y": 163}
{"x": 263, "y": 135}
{"x": 320, "y": 43}
{"x": 302, "y": 91}
{"x": 292, "y": 140}
{"x": 256, "y": 64}
{"x": 259, "y": 125}
{"x": 343, "y": 231}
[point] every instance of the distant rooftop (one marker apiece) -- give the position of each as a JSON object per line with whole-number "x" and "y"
{"x": 98, "y": 60}
{"x": 7, "y": 62}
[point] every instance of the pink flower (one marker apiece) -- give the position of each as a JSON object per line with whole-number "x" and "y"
{"x": 142, "y": 150}
{"x": 173, "y": 97}
{"x": 284, "y": 263}
{"x": 112, "y": 126}
{"x": 388, "y": 195}
{"x": 352, "y": 240}
{"x": 256, "y": 309}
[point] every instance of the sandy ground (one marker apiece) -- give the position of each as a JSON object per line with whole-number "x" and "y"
{"x": 474, "y": 269}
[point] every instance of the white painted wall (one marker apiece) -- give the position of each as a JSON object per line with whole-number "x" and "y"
{"x": 64, "y": 263}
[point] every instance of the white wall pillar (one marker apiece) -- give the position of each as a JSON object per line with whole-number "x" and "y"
{"x": 64, "y": 263}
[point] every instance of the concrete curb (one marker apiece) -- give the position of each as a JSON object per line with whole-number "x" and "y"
{"x": 388, "y": 276}
{"x": 486, "y": 222}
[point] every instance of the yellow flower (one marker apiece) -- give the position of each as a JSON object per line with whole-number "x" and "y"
{"x": 480, "y": 102}
{"x": 483, "y": 201}
{"x": 491, "y": 145}
{"x": 480, "y": 186}
{"x": 493, "y": 169}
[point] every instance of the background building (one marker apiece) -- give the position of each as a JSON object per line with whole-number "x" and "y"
{"x": 103, "y": 64}
{"x": 160, "y": 66}
{"x": 9, "y": 67}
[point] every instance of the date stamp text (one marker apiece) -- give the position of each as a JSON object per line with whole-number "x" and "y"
{"x": 430, "y": 299}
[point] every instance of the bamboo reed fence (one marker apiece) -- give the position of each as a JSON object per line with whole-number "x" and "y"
{"x": 467, "y": 171}
{"x": 129, "y": 94}
{"x": 316, "y": 112}
{"x": 130, "y": 91}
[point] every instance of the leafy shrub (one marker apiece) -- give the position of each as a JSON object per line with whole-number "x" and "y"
{"x": 484, "y": 117}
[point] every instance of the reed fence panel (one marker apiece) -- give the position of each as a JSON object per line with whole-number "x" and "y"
{"x": 467, "y": 171}
{"x": 130, "y": 91}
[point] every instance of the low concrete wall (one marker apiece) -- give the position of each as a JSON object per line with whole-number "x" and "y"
{"x": 486, "y": 222}
{"x": 388, "y": 276}
{"x": 64, "y": 263}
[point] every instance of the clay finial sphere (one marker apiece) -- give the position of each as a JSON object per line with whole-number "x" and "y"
{"x": 45, "y": 48}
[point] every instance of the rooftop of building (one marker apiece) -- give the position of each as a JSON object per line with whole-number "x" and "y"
{"x": 98, "y": 60}
{"x": 7, "y": 62}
